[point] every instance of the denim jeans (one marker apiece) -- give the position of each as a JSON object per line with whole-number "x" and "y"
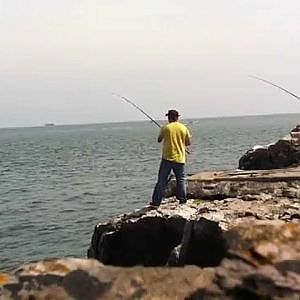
{"x": 165, "y": 169}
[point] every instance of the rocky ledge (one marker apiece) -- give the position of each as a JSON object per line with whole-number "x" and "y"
{"x": 192, "y": 233}
{"x": 237, "y": 237}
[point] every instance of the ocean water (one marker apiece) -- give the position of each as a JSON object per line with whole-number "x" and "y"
{"x": 57, "y": 183}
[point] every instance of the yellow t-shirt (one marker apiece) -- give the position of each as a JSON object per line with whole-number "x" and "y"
{"x": 174, "y": 136}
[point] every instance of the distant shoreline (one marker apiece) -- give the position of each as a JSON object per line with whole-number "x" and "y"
{"x": 148, "y": 121}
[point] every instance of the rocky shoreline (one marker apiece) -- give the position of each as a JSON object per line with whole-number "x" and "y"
{"x": 237, "y": 237}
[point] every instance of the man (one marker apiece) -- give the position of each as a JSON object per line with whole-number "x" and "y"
{"x": 175, "y": 137}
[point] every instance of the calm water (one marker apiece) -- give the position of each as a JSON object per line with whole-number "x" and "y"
{"x": 57, "y": 183}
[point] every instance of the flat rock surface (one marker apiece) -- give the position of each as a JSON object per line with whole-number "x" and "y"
{"x": 256, "y": 175}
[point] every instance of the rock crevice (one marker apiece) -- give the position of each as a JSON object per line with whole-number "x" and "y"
{"x": 158, "y": 241}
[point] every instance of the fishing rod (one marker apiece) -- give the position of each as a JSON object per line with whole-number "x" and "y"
{"x": 138, "y": 108}
{"x": 279, "y": 87}
{"x": 143, "y": 112}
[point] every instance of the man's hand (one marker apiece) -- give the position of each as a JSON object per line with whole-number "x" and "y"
{"x": 187, "y": 141}
{"x": 160, "y": 137}
{"x": 188, "y": 149}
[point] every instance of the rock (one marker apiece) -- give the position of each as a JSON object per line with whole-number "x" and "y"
{"x": 150, "y": 240}
{"x": 234, "y": 279}
{"x": 144, "y": 240}
{"x": 284, "y": 153}
{"x": 296, "y": 129}
{"x": 206, "y": 246}
{"x": 175, "y": 234}
{"x": 82, "y": 279}
{"x": 256, "y": 159}
{"x": 240, "y": 241}
{"x": 202, "y": 245}
{"x": 241, "y": 184}
{"x": 261, "y": 261}
{"x": 264, "y": 242}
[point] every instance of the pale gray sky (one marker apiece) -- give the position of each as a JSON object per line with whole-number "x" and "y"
{"x": 60, "y": 60}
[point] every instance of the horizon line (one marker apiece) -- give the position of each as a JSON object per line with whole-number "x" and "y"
{"x": 133, "y": 121}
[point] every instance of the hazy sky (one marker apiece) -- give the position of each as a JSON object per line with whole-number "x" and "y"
{"x": 60, "y": 60}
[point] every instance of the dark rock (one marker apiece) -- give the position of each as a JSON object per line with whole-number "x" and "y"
{"x": 206, "y": 246}
{"x": 178, "y": 255}
{"x": 296, "y": 129}
{"x": 284, "y": 153}
{"x": 150, "y": 241}
{"x": 80, "y": 285}
{"x": 288, "y": 266}
{"x": 147, "y": 241}
{"x": 256, "y": 159}
{"x": 202, "y": 245}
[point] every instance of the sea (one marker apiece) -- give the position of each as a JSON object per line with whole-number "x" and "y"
{"x": 58, "y": 182}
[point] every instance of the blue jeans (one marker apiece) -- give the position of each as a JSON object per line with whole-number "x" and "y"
{"x": 165, "y": 169}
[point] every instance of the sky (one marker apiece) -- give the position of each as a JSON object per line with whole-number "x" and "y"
{"x": 61, "y": 60}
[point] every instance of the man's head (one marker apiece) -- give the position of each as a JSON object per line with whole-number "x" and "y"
{"x": 172, "y": 115}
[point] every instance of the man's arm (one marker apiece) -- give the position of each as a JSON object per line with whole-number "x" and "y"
{"x": 187, "y": 139}
{"x": 160, "y": 137}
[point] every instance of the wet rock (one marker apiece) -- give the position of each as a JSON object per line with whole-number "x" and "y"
{"x": 284, "y": 153}
{"x": 257, "y": 158}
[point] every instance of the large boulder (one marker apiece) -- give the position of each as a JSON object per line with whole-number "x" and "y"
{"x": 187, "y": 234}
{"x": 284, "y": 153}
{"x": 149, "y": 237}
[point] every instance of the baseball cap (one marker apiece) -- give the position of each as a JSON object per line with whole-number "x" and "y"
{"x": 173, "y": 113}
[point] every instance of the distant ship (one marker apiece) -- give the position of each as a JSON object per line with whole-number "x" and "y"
{"x": 49, "y": 124}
